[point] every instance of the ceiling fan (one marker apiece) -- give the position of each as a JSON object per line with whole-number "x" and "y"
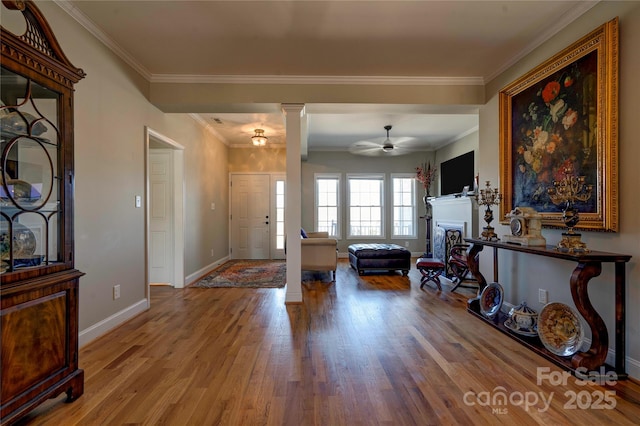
{"x": 386, "y": 147}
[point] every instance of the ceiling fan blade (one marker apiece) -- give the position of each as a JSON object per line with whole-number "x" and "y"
{"x": 402, "y": 140}
{"x": 398, "y": 150}
{"x": 369, "y": 149}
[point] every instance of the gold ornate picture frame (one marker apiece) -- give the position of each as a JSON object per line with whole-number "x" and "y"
{"x": 562, "y": 115}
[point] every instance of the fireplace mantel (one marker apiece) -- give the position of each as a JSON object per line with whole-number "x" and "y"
{"x": 460, "y": 211}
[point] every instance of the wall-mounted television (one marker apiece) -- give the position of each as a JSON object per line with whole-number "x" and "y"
{"x": 457, "y": 173}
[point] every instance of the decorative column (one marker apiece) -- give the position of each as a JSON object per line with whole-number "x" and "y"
{"x": 293, "y": 204}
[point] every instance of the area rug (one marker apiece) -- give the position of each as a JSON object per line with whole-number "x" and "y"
{"x": 247, "y": 274}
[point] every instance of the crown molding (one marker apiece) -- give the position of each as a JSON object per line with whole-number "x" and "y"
{"x": 201, "y": 121}
{"x": 318, "y": 79}
{"x": 90, "y": 26}
{"x": 574, "y": 13}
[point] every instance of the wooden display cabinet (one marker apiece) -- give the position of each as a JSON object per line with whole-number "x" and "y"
{"x": 38, "y": 281}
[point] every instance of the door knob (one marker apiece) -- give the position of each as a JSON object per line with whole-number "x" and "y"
{"x": 266, "y": 223}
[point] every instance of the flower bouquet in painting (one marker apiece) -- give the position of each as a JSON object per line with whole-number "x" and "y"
{"x": 555, "y": 129}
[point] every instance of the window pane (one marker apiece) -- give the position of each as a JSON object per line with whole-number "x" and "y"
{"x": 365, "y": 212}
{"x": 327, "y": 204}
{"x": 404, "y": 210}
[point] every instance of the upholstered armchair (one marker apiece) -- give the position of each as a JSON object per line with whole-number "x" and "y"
{"x": 319, "y": 253}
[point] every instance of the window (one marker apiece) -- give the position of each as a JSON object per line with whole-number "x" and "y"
{"x": 404, "y": 208}
{"x": 366, "y": 196}
{"x": 328, "y": 203}
{"x": 280, "y": 214}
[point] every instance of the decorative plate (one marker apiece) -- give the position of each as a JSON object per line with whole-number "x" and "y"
{"x": 491, "y": 300}
{"x": 560, "y": 329}
{"x": 514, "y": 327}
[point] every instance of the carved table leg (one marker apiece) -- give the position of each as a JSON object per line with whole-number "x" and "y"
{"x": 474, "y": 268}
{"x": 597, "y": 353}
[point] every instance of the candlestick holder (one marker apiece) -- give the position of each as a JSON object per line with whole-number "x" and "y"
{"x": 568, "y": 191}
{"x": 488, "y": 197}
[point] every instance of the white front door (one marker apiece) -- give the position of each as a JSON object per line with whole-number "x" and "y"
{"x": 250, "y": 216}
{"x": 161, "y": 216}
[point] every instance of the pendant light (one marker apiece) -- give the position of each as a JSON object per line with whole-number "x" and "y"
{"x": 259, "y": 139}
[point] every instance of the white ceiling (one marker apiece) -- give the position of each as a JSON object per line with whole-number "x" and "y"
{"x": 474, "y": 40}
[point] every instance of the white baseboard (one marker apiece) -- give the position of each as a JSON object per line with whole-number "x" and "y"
{"x": 93, "y": 332}
{"x": 633, "y": 368}
{"x": 191, "y": 278}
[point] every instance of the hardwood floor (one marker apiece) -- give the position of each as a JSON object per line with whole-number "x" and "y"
{"x": 371, "y": 350}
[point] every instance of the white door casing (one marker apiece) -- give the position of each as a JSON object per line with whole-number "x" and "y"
{"x": 157, "y": 141}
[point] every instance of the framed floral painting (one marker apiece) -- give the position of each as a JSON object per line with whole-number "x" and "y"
{"x": 561, "y": 116}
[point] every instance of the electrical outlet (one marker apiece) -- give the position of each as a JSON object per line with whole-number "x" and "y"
{"x": 116, "y": 292}
{"x": 543, "y": 296}
{"x": 213, "y": 206}
{"x": 211, "y": 252}
{"x": 406, "y": 243}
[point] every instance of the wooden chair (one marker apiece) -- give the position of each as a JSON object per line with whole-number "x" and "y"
{"x": 460, "y": 267}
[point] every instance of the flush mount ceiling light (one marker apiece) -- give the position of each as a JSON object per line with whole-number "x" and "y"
{"x": 259, "y": 139}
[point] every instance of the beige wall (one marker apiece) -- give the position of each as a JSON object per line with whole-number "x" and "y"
{"x": 522, "y": 275}
{"x": 111, "y": 112}
{"x": 255, "y": 160}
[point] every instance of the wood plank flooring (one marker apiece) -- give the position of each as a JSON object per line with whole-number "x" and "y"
{"x": 371, "y": 350}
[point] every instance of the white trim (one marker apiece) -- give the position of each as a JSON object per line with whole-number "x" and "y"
{"x": 383, "y": 204}
{"x": 563, "y": 19}
{"x": 90, "y": 26}
{"x": 338, "y": 177}
{"x": 102, "y": 327}
{"x": 177, "y": 151}
{"x": 201, "y": 121}
{"x": 317, "y": 79}
{"x": 633, "y": 367}
{"x": 192, "y": 278}
{"x": 414, "y": 205}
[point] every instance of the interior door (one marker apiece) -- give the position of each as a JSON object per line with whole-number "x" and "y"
{"x": 250, "y": 230}
{"x": 161, "y": 217}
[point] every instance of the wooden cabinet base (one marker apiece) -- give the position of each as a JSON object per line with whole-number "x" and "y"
{"x": 72, "y": 385}
{"x": 39, "y": 354}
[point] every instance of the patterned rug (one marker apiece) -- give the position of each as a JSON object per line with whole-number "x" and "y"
{"x": 246, "y": 273}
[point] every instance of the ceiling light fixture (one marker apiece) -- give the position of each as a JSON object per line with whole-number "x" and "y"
{"x": 259, "y": 139}
{"x": 387, "y": 146}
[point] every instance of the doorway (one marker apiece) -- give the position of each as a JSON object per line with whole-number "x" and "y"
{"x": 164, "y": 210}
{"x": 257, "y": 216}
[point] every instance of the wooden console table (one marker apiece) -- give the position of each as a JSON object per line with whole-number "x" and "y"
{"x": 589, "y": 266}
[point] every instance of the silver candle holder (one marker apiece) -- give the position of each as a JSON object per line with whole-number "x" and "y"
{"x": 488, "y": 197}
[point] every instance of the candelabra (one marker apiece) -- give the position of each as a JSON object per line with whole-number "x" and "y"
{"x": 568, "y": 191}
{"x": 488, "y": 197}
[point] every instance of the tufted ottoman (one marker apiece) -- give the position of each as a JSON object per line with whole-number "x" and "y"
{"x": 379, "y": 257}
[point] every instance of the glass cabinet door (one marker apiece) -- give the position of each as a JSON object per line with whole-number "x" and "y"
{"x": 30, "y": 190}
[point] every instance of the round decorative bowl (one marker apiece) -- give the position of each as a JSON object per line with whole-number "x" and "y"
{"x": 523, "y": 319}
